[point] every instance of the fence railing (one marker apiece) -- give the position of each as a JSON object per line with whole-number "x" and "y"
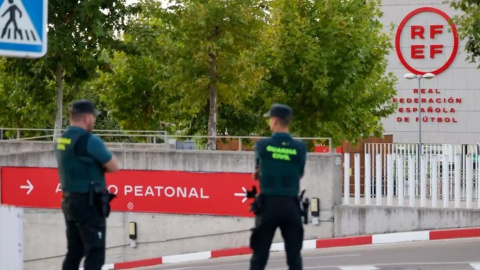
{"x": 159, "y": 138}
{"x": 243, "y": 143}
{"x": 38, "y": 134}
{"x": 392, "y": 175}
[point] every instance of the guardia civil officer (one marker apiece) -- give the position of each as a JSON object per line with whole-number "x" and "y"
{"x": 280, "y": 163}
{"x": 83, "y": 160}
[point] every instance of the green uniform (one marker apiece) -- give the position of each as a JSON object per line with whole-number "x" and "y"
{"x": 80, "y": 157}
{"x": 281, "y": 162}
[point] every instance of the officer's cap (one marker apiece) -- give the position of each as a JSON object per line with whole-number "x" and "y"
{"x": 84, "y": 106}
{"x": 280, "y": 110}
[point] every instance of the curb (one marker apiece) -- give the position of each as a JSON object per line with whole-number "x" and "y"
{"x": 307, "y": 245}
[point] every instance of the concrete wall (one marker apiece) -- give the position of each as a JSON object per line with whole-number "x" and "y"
{"x": 12, "y": 146}
{"x": 365, "y": 220}
{"x": 8, "y": 147}
{"x": 158, "y": 235}
{"x": 165, "y": 234}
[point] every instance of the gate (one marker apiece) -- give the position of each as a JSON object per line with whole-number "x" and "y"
{"x": 391, "y": 174}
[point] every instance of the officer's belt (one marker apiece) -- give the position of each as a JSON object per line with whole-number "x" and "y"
{"x": 75, "y": 194}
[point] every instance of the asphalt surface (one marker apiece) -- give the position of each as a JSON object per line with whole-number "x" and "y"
{"x": 461, "y": 254}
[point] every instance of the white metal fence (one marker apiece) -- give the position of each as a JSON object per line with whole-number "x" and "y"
{"x": 388, "y": 174}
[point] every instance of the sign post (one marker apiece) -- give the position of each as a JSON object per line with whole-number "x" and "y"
{"x": 23, "y": 34}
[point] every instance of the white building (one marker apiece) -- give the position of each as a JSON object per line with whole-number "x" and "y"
{"x": 425, "y": 42}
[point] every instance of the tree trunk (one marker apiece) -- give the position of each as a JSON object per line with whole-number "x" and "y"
{"x": 58, "y": 119}
{"x": 212, "y": 116}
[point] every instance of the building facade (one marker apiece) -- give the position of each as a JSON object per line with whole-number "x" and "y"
{"x": 426, "y": 42}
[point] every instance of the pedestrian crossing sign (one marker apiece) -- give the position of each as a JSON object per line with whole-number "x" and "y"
{"x": 23, "y": 28}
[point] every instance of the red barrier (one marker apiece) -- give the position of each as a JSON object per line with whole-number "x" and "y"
{"x": 231, "y": 252}
{"x": 455, "y": 233}
{"x": 138, "y": 191}
{"x": 141, "y": 263}
{"x": 345, "y": 241}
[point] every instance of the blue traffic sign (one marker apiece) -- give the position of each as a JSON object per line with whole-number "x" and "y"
{"x": 23, "y": 28}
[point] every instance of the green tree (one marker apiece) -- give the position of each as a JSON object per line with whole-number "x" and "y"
{"x": 26, "y": 104}
{"x": 23, "y": 105}
{"x": 133, "y": 93}
{"x": 134, "y": 84}
{"x": 77, "y": 31}
{"x": 105, "y": 121}
{"x": 469, "y": 25}
{"x": 212, "y": 47}
{"x": 141, "y": 84}
{"x": 327, "y": 59}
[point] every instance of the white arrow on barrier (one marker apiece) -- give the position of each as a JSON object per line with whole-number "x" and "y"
{"x": 244, "y": 194}
{"x": 29, "y": 187}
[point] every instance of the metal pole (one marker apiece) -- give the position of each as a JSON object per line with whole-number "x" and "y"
{"x": 419, "y": 126}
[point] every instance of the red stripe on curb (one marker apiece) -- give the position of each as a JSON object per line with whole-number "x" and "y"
{"x": 458, "y": 233}
{"x": 346, "y": 241}
{"x": 231, "y": 252}
{"x": 320, "y": 243}
{"x": 133, "y": 264}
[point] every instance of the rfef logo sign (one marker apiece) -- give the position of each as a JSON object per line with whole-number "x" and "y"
{"x": 426, "y": 41}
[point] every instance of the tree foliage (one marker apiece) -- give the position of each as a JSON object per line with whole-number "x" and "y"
{"x": 134, "y": 84}
{"x": 212, "y": 66}
{"x": 327, "y": 59}
{"x": 23, "y": 103}
{"x": 76, "y": 33}
{"x": 184, "y": 62}
{"x": 212, "y": 48}
{"x": 469, "y": 25}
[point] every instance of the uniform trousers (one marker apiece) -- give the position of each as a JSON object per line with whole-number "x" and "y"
{"x": 86, "y": 231}
{"x": 277, "y": 212}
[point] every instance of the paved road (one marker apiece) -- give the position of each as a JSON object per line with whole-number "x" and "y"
{"x": 432, "y": 255}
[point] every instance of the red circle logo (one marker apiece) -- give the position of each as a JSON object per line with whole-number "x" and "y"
{"x": 420, "y": 34}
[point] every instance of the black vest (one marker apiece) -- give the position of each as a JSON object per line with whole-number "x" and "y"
{"x": 280, "y": 166}
{"x": 77, "y": 169}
